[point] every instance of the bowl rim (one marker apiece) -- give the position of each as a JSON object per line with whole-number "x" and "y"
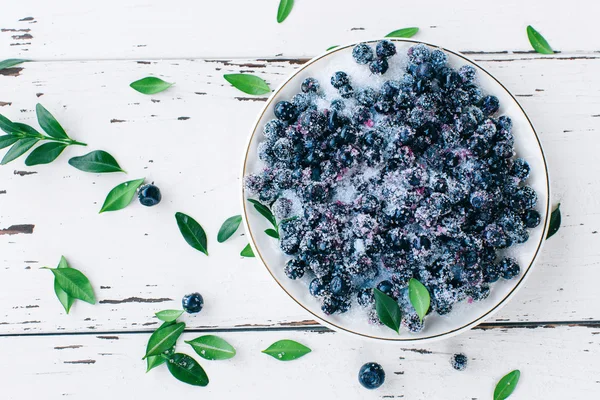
{"x": 499, "y": 305}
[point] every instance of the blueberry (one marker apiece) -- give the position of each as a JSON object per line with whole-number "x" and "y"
{"x": 390, "y": 89}
{"x": 149, "y": 195}
{"x": 490, "y": 104}
{"x": 505, "y": 123}
{"x": 452, "y": 80}
{"x": 371, "y": 375}
{"x": 509, "y": 268}
{"x": 313, "y": 123}
{"x": 316, "y": 287}
{"x": 438, "y": 59}
{"x": 274, "y": 129}
{"x": 480, "y": 199}
{"x": 424, "y": 70}
{"x": 384, "y": 106}
{"x": 334, "y": 122}
{"x": 385, "y": 49}
{"x": 467, "y": 73}
{"x": 282, "y": 149}
{"x": 386, "y": 287}
{"x": 362, "y": 53}
{"x": 525, "y": 198}
{"x": 418, "y": 53}
{"x": 412, "y": 322}
{"x": 192, "y": 303}
{"x": 339, "y": 79}
{"x": 348, "y": 134}
{"x": 479, "y": 292}
{"x": 346, "y": 91}
{"x": 339, "y": 285}
{"x": 494, "y": 236}
{"x": 379, "y": 66}
{"x": 365, "y": 297}
{"x": 310, "y": 85}
{"x": 301, "y": 101}
{"x": 366, "y": 97}
{"x": 285, "y": 111}
{"x": 360, "y": 115}
{"x": 330, "y": 305}
{"x": 531, "y": 218}
{"x": 491, "y": 272}
{"x": 459, "y": 361}
{"x": 337, "y": 105}
{"x": 520, "y": 169}
{"x": 294, "y": 268}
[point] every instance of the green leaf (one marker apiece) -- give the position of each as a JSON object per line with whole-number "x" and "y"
{"x": 187, "y": 370}
{"x": 11, "y": 62}
{"x": 248, "y": 83}
{"x": 285, "y": 8}
{"x": 403, "y": 33}
{"x": 21, "y": 147}
{"x": 507, "y": 385}
{"x": 419, "y": 297}
{"x": 272, "y": 232}
{"x": 121, "y": 195}
{"x": 163, "y": 339}
{"x": 155, "y": 361}
{"x": 7, "y": 140}
{"x": 7, "y": 125}
{"x": 192, "y": 232}
{"x": 26, "y": 129}
{"x": 538, "y": 42}
{"x": 45, "y": 153}
{"x": 75, "y": 284}
{"x": 264, "y": 211}
{"x": 286, "y": 350}
{"x": 150, "y": 85}
{"x": 66, "y": 300}
{"x": 98, "y": 161}
{"x": 169, "y": 315}
{"x": 49, "y": 124}
{"x": 212, "y": 347}
{"x": 228, "y": 228}
{"x": 555, "y": 220}
{"x": 388, "y": 310}
{"x": 247, "y": 251}
{"x": 333, "y": 47}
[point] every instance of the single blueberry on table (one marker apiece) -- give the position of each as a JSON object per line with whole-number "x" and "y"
{"x": 385, "y": 49}
{"x": 379, "y": 67}
{"x": 192, "y": 303}
{"x": 459, "y": 361}
{"x": 371, "y": 375}
{"x": 285, "y": 111}
{"x": 339, "y": 79}
{"x": 362, "y": 53}
{"x": 149, "y": 195}
{"x": 310, "y": 85}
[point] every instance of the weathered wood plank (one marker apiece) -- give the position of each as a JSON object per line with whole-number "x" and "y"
{"x": 138, "y": 29}
{"x": 555, "y": 363}
{"x": 136, "y": 258}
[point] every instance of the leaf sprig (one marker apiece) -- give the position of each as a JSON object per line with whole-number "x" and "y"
{"x": 71, "y": 284}
{"x": 555, "y": 220}
{"x": 403, "y": 33}
{"x": 287, "y": 350}
{"x": 388, "y": 310}
{"x": 23, "y": 138}
{"x": 419, "y": 297}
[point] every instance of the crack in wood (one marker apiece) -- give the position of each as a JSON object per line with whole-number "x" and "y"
{"x": 135, "y": 300}
{"x": 15, "y": 30}
{"x": 114, "y": 120}
{"x": 5, "y": 103}
{"x": 108, "y": 337}
{"x": 25, "y": 36}
{"x": 251, "y": 98}
{"x": 24, "y": 173}
{"x": 73, "y": 346}
{"x": 26, "y": 229}
{"x": 80, "y": 362}
{"x": 183, "y": 118}
{"x": 15, "y": 71}
{"x": 26, "y": 19}
{"x": 420, "y": 351}
{"x": 2, "y": 191}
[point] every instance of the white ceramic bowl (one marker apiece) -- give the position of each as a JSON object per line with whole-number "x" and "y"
{"x": 463, "y": 316}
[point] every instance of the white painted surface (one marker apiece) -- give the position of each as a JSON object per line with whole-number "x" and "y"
{"x": 136, "y": 256}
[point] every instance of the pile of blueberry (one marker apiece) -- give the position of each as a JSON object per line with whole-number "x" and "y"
{"x": 413, "y": 178}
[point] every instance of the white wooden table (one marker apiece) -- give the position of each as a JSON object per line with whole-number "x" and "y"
{"x": 189, "y": 140}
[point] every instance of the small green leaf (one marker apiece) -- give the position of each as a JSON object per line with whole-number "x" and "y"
{"x": 555, "y": 220}
{"x": 419, "y": 297}
{"x": 98, "y": 161}
{"x": 163, "y": 339}
{"x": 272, "y": 232}
{"x": 333, "y": 47}
{"x": 286, "y": 350}
{"x": 155, "y": 361}
{"x": 7, "y": 125}
{"x": 45, "y": 153}
{"x": 7, "y": 140}
{"x": 388, "y": 310}
{"x": 507, "y": 385}
{"x": 121, "y": 195}
{"x": 11, "y": 62}
{"x": 192, "y": 232}
{"x": 403, "y": 33}
{"x": 285, "y": 8}
{"x": 150, "y": 85}
{"x": 248, "y": 83}
{"x": 212, "y": 347}
{"x": 26, "y": 129}
{"x": 49, "y": 124}
{"x": 187, "y": 370}
{"x": 538, "y": 42}
{"x": 169, "y": 315}
{"x": 66, "y": 300}
{"x": 75, "y": 284}
{"x": 264, "y": 211}
{"x": 21, "y": 147}
{"x": 228, "y": 228}
{"x": 247, "y": 251}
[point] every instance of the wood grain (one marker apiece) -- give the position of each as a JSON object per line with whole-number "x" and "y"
{"x": 189, "y": 140}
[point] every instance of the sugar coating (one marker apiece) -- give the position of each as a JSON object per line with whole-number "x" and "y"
{"x": 408, "y": 174}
